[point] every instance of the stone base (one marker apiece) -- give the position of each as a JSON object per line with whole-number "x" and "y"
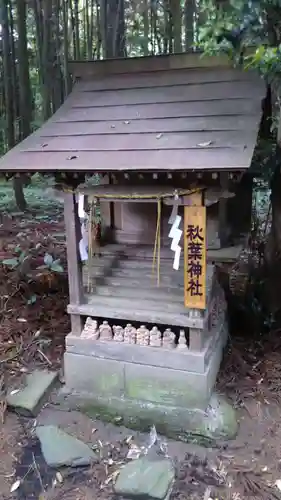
{"x": 145, "y": 385}
{"x": 203, "y": 427}
{"x": 176, "y": 377}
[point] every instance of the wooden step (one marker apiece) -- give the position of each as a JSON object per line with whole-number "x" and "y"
{"x": 172, "y": 278}
{"x": 133, "y": 293}
{"x": 130, "y": 263}
{"x": 146, "y": 311}
{"x": 137, "y": 282}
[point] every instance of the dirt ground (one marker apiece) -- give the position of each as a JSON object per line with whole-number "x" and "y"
{"x": 247, "y": 467}
{"x": 33, "y": 324}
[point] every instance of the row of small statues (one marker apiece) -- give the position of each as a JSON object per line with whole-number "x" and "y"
{"x": 131, "y": 335}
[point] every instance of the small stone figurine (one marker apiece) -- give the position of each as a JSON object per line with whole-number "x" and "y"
{"x": 182, "y": 340}
{"x": 155, "y": 337}
{"x": 168, "y": 341}
{"x": 143, "y": 335}
{"x": 118, "y": 333}
{"x": 130, "y": 334}
{"x": 105, "y": 331}
{"x": 90, "y": 330}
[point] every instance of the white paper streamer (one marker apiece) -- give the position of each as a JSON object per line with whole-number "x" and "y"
{"x": 175, "y": 226}
{"x": 176, "y": 263}
{"x": 175, "y": 234}
{"x": 83, "y": 251}
{"x": 175, "y": 209}
{"x": 81, "y": 211}
{"x": 176, "y": 239}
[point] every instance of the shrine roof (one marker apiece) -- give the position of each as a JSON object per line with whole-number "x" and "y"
{"x": 164, "y": 113}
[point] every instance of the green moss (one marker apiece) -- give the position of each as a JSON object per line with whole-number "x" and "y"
{"x": 108, "y": 383}
{"x": 161, "y": 392}
{"x": 188, "y": 425}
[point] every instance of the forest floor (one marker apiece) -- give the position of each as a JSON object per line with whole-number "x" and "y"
{"x": 247, "y": 467}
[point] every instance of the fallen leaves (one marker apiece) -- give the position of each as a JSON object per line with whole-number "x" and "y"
{"x": 59, "y": 477}
{"x": 205, "y": 144}
{"x": 27, "y": 328}
{"x": 15, "y": 486}
{"x": 252, "y": 369}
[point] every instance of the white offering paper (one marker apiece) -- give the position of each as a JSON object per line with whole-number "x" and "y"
{"x": 176, "y": 263}
{"x": 83, "y": 251}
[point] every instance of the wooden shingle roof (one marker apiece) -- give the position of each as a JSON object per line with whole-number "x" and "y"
{"x": 177, "y": 112}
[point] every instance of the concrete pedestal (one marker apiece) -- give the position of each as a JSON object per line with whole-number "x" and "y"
{"x": 145, "y": 385}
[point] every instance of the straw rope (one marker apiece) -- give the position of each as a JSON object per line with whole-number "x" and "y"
{"x": 157, "y": 243}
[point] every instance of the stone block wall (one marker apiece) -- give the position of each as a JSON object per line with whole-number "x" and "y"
{"x": 146, "y": 374}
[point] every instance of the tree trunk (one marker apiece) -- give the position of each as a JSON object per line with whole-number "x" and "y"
{"x": 67, "y": 82}
{"x": 19, "y": 194}
{"x": 145, "y": 28}
{"x": 113, "y": 28}
{"x": 189, "y": 23}
{"x": 273, "y": 246}
{"x": 8, "y": 83}
{"x": 76, "y": 28}
{"x": 175, "y": 8}
{"x": 46, "y": 60}
{"x": 23, "y": 70}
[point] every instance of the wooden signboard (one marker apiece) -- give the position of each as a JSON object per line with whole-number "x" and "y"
{"x": 195, "y": 257}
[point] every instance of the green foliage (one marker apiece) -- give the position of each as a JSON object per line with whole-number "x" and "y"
{"x": 267, "y": 60}
{"x": 232, "y": 26}
{"x": 21, "y": 258}
{"x": 253, "y": 23}
{"x": 217, "y": 19}
{"x": 32, "y": 300}
{"x": 16, "y": 262}
{"x": 51, "y": 264}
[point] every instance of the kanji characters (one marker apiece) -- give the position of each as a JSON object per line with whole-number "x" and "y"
{"x": 194, "y": 258}
{"x": 194, "y": 269}
{"x": 194, "y": 232}
{"x": 194, "y": 287}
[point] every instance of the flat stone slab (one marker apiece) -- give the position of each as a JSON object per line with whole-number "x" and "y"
{"x": 146, "y": 479}
{"x": 60, "y": 449}
{"x": 29, "y": 399}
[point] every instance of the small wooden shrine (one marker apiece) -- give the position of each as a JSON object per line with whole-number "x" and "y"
{"x": 172, "y": 139}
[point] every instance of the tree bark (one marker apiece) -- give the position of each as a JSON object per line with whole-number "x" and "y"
{"x": 19, "y": 194}
{"x": 189, "y": 23}
{"x": 23, "y": 69}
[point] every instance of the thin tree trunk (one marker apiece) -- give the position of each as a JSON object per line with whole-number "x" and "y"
{"x": 67, "y": 83}
{"x": 23, "y": 69}
{"x": 145, "y": 28}
{"x": 189, "y": 23}
{"x": 47, "y": 64}
{"x": 175, "y": 7}
{"x": 14, "y": 76}
{"x": 74, "y": 40}
{"x": 8, "y": 83}
{"x": 76, "y": 28}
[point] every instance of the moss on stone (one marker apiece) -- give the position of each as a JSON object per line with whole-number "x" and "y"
{"x": 186, "y": 424}
{"x": 163, "y": 392}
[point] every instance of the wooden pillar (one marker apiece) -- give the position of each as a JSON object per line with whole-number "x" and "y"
{"x": 74, "y": 265}
{"x": 196, "y": 339}
{"x": 195, "y": 253}
{"x": 223, "y": 219}
{"x": 195, "y": 265}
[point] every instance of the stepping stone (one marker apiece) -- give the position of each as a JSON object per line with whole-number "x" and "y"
{"x": 29, "y": 399}
{"x": 146, "y": 478}
{"x": 60, "y": 449}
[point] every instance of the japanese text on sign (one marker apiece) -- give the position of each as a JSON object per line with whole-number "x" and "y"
{"x": 195, "y": 257}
